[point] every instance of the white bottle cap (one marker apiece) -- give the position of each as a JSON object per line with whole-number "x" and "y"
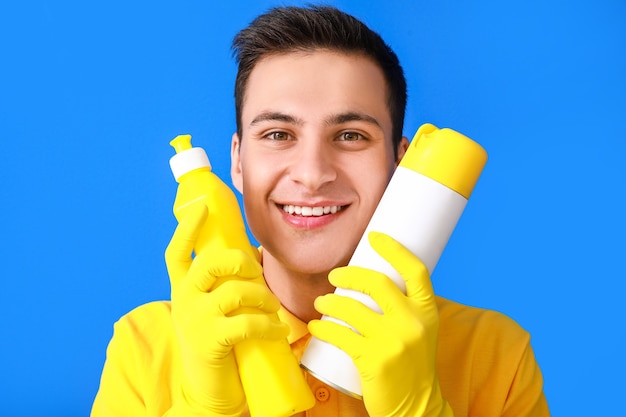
{"x": 188, "y": 160}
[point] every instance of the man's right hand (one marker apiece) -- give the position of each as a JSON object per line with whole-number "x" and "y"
{"x": 209, "y": 321}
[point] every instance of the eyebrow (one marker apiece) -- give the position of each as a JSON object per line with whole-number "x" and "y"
{"x": 335, "y": 119}
{"x": 276, "y": 117}
{"x": 351, "y": 117}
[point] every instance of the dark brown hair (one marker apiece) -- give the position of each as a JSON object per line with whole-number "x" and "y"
{"x": 287, "y": 29}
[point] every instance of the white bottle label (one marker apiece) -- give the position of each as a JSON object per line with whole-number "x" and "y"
{"x": 416, "y": 211}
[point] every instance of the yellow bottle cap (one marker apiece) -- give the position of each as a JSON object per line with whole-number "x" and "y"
{"x": 447, "y": 157}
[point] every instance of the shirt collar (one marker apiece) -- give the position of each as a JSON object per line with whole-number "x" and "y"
{"x": 298, "y": 328}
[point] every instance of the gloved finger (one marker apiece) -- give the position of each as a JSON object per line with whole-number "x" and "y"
{"x": 178, "y": 253}
{"x": 339, "y": 336}
{"x": 376, "y": 285}
{"x": 208, "y": 267}
{"x": 410, "y": 267}
{"x": 242, "y": 327}
{"x": 233, "y": 295}
{"x": 352, "y": 312}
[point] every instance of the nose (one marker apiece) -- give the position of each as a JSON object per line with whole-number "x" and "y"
{"x": 313, "y": 165}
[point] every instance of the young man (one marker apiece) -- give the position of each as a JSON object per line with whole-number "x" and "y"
{"x": 320, "y": 105}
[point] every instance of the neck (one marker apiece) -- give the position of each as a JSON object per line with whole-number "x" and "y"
{"x": 296, "y": 290}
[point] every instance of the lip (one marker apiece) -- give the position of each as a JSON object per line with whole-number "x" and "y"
{"x": 311, "y": 222}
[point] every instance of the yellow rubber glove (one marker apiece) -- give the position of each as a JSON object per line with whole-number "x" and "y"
{"x": 207, "y": 320}
{"x": 395, "y": 352}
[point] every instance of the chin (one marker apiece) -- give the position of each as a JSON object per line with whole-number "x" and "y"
{"x": 315, "y": 265}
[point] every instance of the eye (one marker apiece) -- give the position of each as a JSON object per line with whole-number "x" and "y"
{"x": 351, "y": 137}
{"x": 277, "y": 136}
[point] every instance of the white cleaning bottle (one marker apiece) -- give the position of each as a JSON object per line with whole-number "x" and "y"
{"x": 419, "y": 208}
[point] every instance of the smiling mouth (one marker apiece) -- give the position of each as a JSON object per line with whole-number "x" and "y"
{"x": 306, "y": 211}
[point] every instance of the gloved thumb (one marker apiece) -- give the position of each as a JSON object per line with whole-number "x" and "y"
{"x": 209, "y": 267}
{"x": 410, "y": 267}
{"x": 178, "y": 253}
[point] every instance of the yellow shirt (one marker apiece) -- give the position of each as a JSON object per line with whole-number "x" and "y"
{"x": 485, "y": 364}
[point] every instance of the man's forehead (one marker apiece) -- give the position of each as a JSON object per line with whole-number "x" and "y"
{"x": 350, "y": 86}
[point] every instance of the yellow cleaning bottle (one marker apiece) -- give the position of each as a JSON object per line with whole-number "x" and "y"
{"x": 270, "y": 374}
{"x": 419, "y": 208}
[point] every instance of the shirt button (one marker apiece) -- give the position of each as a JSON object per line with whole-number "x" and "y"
{"x": 322, "y": 394}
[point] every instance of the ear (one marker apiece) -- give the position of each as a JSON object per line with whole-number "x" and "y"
{"x": 235, "y": 163}
{"x": 403, "y": 145}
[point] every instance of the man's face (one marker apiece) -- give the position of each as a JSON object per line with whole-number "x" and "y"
{"x": 315, "y": 155}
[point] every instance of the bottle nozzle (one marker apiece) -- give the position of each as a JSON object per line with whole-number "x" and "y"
{"x": 187, "y": 158}
{"x": 447, "y": 157}
{"x": 181, "y": 143}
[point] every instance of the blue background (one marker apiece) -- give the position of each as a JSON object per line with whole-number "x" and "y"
{"x": 92, "y": 92}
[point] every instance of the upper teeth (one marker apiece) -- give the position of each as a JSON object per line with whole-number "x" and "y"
{"x": 310, "y": 211}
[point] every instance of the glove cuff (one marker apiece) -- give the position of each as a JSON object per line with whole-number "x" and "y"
{"x": 186, "y": 405}
{"x": 437, "y": 405}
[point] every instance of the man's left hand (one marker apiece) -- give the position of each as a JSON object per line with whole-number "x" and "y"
{"x": 394, "y": 352}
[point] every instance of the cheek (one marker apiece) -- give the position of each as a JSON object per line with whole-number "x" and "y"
{"x": 257, "y": 183}
{"x": 375, "y": 189}
{"x": 253, "y": 210}
{"x": 371, "y": 172}
{"x": 373, "y": 185}
{"x": 252, "y": 191}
